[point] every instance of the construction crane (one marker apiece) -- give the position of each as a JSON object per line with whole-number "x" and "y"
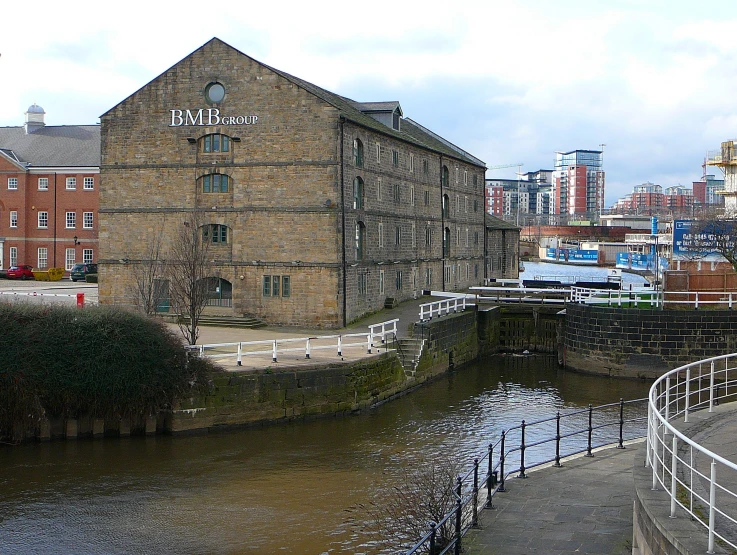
{"x": 505, "y": 166}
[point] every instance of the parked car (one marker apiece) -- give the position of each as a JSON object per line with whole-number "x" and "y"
{"x": 80, "y": 271}
{"x": 24, "y": 271}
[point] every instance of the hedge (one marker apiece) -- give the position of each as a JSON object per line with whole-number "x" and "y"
{"x": 100, "y": 361}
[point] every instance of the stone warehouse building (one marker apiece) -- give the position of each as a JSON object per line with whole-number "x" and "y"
{"x": 49, "y": 193}
{"x": 318, "y": 208}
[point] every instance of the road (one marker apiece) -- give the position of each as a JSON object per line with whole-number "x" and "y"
{"x": 57, "y": 292}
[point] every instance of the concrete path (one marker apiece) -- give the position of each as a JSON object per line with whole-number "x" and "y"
{"x": 583, "y": 507}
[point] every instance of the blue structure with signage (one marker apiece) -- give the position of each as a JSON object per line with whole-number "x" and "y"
{"x": 574, "y": 256}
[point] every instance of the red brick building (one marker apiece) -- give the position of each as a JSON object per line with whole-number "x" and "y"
{"x": 49, "y": 193}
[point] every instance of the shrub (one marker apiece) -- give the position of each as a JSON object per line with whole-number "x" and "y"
{"x": 101, "y": 361}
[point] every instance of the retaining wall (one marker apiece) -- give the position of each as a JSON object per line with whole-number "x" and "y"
{"x": 636, "y": 343}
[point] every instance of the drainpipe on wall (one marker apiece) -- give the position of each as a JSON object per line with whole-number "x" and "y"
{"x": 342, "y": 216}
{"x": 55, "y": 220}
{"x": 442, "y": 225}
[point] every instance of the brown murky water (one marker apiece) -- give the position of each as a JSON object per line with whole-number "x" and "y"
{"x": 278, "y": 489}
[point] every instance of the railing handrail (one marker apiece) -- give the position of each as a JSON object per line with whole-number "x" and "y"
{"x": 454, "y": 303}
{"x": 494, "y": 479}
{"x": 376, "y": 331}
{"x": 661, "y": 398}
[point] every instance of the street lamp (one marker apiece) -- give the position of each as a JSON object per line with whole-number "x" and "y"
{"x": 76, "y": 241}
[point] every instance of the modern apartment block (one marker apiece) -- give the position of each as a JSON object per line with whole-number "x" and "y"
{"x": 651, "y": 199}
{"x": 49, "y": 193}
{"x": 317, "y": 207}
{"x": 578, "y": 184}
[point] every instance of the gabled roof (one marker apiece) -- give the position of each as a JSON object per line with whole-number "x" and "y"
{"x": 352, "y": 111}
{"x": 62, "y": 146}
{"x": 492, "y": 222}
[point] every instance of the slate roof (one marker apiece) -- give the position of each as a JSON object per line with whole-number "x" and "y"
{"x": 492, "y": 222}
{"x": 413, "y": 133}
{"x": 56, "y": 146}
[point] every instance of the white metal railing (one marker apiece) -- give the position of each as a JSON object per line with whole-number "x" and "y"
{"x": 307, "y": 345}
{"x": 446, "y": 306}
{"x": 696, "y": 479}
{"x": 36, "y": 294}
{"x": 637, "y": 297}
{"x": 542, "y": 295}
{"x": 643, "y": 297}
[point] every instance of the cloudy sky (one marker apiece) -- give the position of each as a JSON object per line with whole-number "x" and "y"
{"x": 509, "y": 81}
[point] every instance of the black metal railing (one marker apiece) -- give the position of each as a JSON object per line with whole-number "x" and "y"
{"x": 572, "y": 433}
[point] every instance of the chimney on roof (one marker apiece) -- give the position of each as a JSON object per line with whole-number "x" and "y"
{"x": 34, "y": 118}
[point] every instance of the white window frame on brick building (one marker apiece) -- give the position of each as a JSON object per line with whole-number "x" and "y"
{"x": 13, "y": 218}
{"x": 13, "y": 256}
{"x": 89, "y": 183}
{"x": 12, "y": 183}
{"x": 71, "y": 220}
{"x": 88, "y": 256}
{"x": 42, "y": 257}
{"x": 70, "y": 258}
{"x": 88, "y": 220}
{"x": 43, "y": 183}
{"x": 71, "y": 183}
{"x": 43, "y": 219}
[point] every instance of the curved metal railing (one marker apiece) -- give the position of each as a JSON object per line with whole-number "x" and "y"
{"x": 699, "y": 481}
{"x": 551, "y": 439}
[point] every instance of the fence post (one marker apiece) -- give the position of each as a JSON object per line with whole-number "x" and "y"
{"x": 673, "y": 480}
{"x": 591, "y": 429}
{"x": 712, "y": 503}
{"x": 433, "y": 531}
{"x": 557, "y": 439}
{"x": 621, "y": 424}
{"x": 667, "y": 399}
{"x": 273, "y": 352}
{"x": 475, "y": 518}
{"x": 370, "y": 340}
{"x": 340, "y": 345}
{"x": 501, "y": 465}
{"x": 307, "y": 348}
{"x": 489, "y": 478}
{"x": 459, "y": 514}
{"x": 239, "y": 358}
{"x": 711, "y": 388}
{"x": 522, "y": 454}
{"x": 688, "y": 394}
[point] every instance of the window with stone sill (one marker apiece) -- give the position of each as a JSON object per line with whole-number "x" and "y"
{"x": 215, "y": 233}
{"x": 215, "y": 183}
{"x": 215, "y": 143}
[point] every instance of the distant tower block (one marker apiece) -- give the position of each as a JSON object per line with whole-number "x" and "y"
{"x": 726, "y": 160}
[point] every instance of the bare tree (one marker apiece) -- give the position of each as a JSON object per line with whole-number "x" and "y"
{"x": 187, "y": 270}
{"x": 424, "y": 493}
{"x": 149, "y": 289}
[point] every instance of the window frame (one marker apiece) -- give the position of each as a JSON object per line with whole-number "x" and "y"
{"x": 216, "y": 234}
{"x": 13, "y": 256}
{"x": 45, "y": 257}
{"x": 43, "y": 184}
{"x": 43, "y": 216}
{"x": 357, "y": 153}
{"x": 395, "y": 158}
{"x": 71, "y": 184}
{"x": 70, "y": 220}
{"x": 223, "y": 143}
{"x": 358, "y": 193}
{"x": 88, "y": 184}
{"x": 12, "y": 184}
{"x": 88, "y": 256}
{"x": 88, "y": 218}
{"x": 13, "y": 218}
{"x": 70, "y": 258}
{"x": 208, "y": 183}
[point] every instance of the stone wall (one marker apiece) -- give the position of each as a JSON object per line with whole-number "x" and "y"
{"x": 451, "y": 341}
{"x": 637, "y": 343}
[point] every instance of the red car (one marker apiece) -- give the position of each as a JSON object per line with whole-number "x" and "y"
{"x": 24, "y": 271}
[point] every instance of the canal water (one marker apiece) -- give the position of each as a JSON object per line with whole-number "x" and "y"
{"x": 550, "y": 270}
{"x": 277, "y": 489}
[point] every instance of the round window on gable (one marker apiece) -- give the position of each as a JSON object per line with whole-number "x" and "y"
{"x": 214, "y": 93}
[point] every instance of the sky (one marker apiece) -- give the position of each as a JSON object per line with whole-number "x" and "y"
{"x": 511, "y": 82}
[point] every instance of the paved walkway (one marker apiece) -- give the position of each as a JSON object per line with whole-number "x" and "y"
{"x": 583, "y": 507}
{"x": 586, "y": 506}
